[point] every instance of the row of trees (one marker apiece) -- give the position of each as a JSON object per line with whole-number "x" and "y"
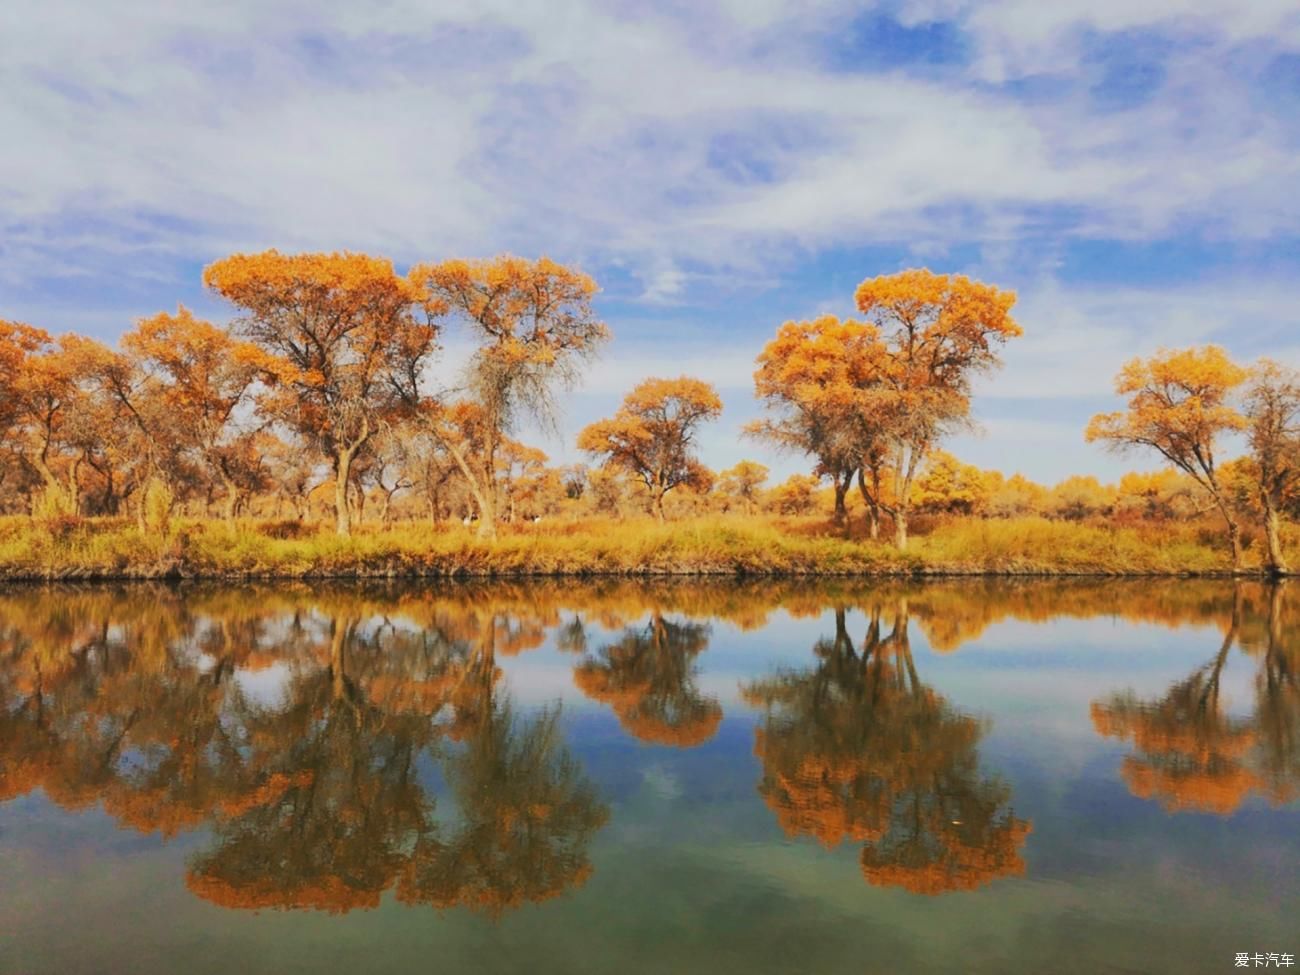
{"x": 330, "y": 361}
{"x": 330, "y": 355}
{"x": 328, "y": 381}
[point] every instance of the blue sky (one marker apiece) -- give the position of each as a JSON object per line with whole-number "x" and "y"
{"x": 1129, "y": 167}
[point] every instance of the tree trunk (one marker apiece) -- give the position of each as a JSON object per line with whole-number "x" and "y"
{"x": 841, "y": 489}
{"x": 873, "y": 507}
{"x": 1234, "y": 536}
{"x": 657, "y": 502}
{"x": 1272, "y": 533}
{"x": 342, "y": 476}
{"x": 900, "y": 527}
{"x": 487, "y": 512}
{"x": 230, "y": 506}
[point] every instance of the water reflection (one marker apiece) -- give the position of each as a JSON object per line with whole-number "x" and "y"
{"x": 647, "y": 676}
{"x": 317, "y": 795}
{"x": 334, "y": 745}
{"x": 859, "y": 749}
{"x": 1190, "y": 754}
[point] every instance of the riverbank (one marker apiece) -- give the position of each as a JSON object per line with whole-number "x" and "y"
{"x": 713, "y": 546}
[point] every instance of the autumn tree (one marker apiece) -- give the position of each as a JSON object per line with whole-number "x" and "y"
{"x": 58, "y": 417}
{"x": 744, "y": 482}
{"x": 949, "y": 486}
{"x": 295, "y": 473}
{"x": 204, "y": 376}
{"x": 317, "y": 797}
{"x": 819, "y": 380}
{"x": 936, "y": 332}
{"x": 1080, "y": 496}
{"x": 17, "y": 343}
{"x": 527, "y": 816}
{"x": 431, "y": 470}
{"x": 793, "y": 496}
{"x": 1179, "y": 406}
{"x": 652, "y": 436}
{"x": 1272, "y": 411}
{"x": 520, "y": 470}
{"x": 1277, "y": 700}
{"x": 536, "y": 329}
{"x": 349, "y": 340}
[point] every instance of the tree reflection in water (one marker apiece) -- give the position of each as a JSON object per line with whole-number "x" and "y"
{"x": 647, "y": 676}
{"x": 317, "y": 795}
{"x": 859, "y": 749}
{"x": 1190, "y": 754}
{"x": 341, "y": 744}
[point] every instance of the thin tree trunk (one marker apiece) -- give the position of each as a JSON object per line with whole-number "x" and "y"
{"x": 342, "y": 477}
{"x": 1272, "y": 533}
{"x": 1234, "y": 536}
{"x": 873, "y": 506}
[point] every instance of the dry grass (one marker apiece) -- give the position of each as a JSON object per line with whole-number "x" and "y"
{"x": 715, "y": 545}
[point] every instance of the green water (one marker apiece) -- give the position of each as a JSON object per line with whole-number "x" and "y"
{"x": 623, "y": 777}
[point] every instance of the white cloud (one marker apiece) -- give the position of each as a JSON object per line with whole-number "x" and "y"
{"x": 422, "y": 128}
{"x": 1019, "y": 37}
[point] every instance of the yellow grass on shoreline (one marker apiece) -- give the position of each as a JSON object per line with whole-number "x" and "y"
{"x": 707, "y": 546}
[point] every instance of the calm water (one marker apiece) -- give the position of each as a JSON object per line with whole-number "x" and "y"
{"x": 629, "y": 778}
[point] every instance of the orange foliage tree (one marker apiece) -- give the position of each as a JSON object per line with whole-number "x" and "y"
{"x": 536, "y": 330}
{"x": 744, "y": 482}
{"x": 1190, "y": 755}
{"x": 820, "y": 379}
{"x": 936, "y": 332}
{"x": 652, "y": 435}
{"x": 1273, "y": 412}
{"x": 313, "y": 799}
{"x": 59, "y": 417}
{"x": 17, "y": 343}
{"x": 204, "y": 375}
{"x": 348, "y": 341}
{"x": 1178, "y": 406}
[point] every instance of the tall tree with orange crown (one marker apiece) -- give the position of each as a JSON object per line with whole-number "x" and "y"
{"x": 820, "y": 380}
{"x": 350, "y": 340}
{"x": 1179, "y": 406}
{"x": 936, "y": 333}
{"x": 537, "y": 329}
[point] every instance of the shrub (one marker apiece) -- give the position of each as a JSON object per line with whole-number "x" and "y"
{"x": 54, "y": 512}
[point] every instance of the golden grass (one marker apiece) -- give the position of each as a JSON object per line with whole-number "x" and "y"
{"x": 713, "y": 545}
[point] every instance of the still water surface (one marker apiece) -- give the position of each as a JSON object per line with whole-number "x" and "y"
{"x": 622, "y": 777}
